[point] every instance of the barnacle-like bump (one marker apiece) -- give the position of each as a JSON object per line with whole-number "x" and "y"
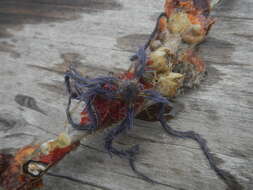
{"x": 168, "y": 83}
{"x": 179, "y": 22}
{"x": 63, "y": 140}
{"x": 154, "y": 45}
{"x": 194, "y": 35}
{"x": 159, "y": 59}
{"x": 34, "y": 168}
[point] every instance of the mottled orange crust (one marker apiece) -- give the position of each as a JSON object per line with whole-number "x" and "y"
{"x": 4, "y": 161}
{"x": 191, "y": 57}
{"x": 23, "y": 153}
{"x": 169, "y": 7}
{"x": 195, "y": 13}
{"x": 13, "y": 177}
{"x": 163, "y": 24}
{"x": 57, "y": 154}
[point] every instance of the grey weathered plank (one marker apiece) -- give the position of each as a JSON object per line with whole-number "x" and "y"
{"x": 39, "y": 38}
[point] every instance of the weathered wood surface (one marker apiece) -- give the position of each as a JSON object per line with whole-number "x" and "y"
{"x": 38, "y": 38}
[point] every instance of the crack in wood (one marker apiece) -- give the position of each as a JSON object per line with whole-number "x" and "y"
{"x": 159, "y": 183}
{"x": 19, "y": 13}
{"x": 74, "y": 179}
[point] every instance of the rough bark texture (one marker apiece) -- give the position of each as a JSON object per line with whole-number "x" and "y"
{"x": 38, "y": 39}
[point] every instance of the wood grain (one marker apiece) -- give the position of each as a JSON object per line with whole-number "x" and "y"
{"x": 39, "y": 38}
